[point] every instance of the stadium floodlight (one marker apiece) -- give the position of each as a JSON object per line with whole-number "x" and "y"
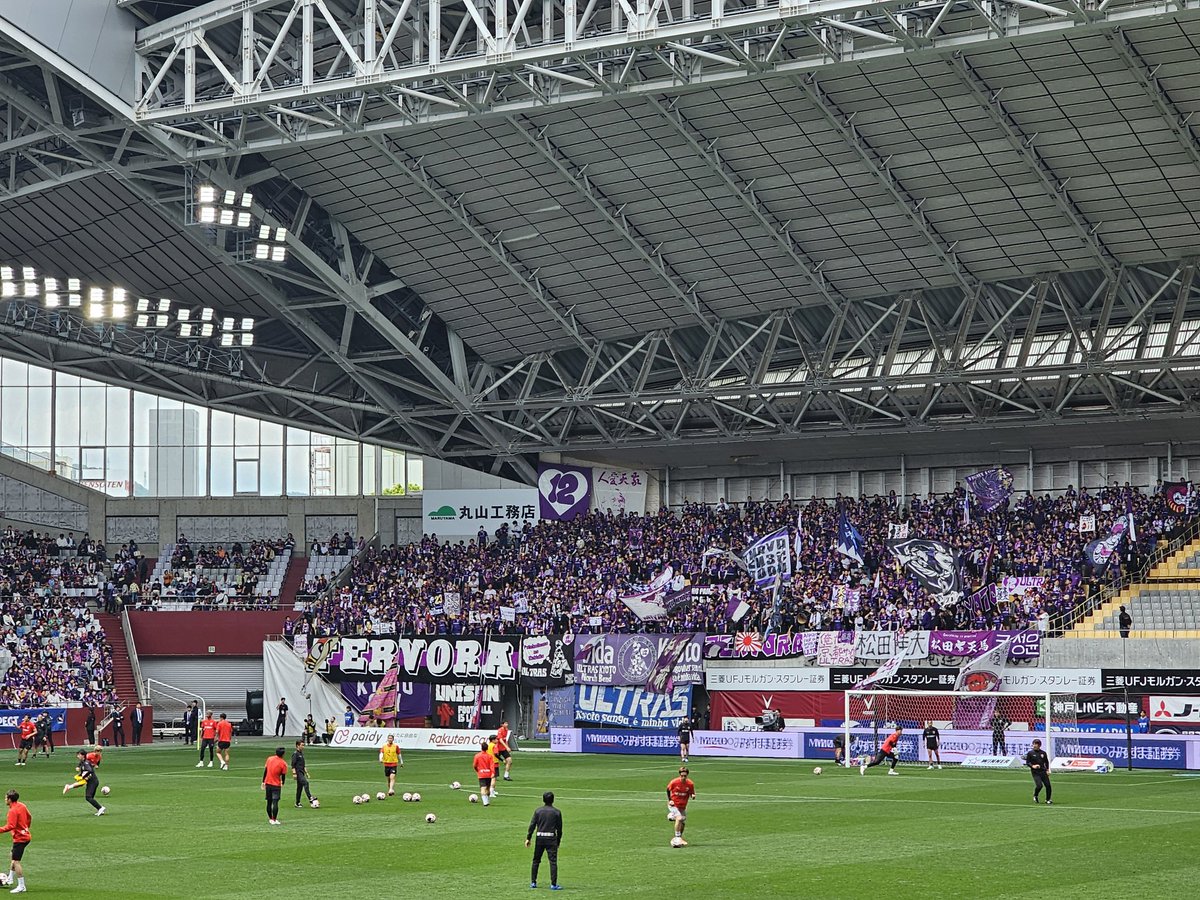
{"x": 200, "y": 326}
{"x": 29, "y": 277}
{"x": 237, "y": 332}
{"x": 8, "y": 281}
{"x": 50, "y": 295}
{"x": 230, "y": 209}
{"x": 153, "y": 313}
{"x": 271, "y": 245}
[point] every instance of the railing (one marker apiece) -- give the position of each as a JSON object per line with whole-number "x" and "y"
{"x": 1066, "y": 621}
{"x": 131, "y": 649}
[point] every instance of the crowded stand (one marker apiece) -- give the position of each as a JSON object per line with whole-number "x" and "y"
{"x": 570, "y": 576}
{"x": 53, "y": 648}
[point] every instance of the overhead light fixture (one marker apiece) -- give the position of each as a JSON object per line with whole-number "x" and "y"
{"x": 153, "y": 313}
{"x": 237, "y": 332}
{"x": 199, "y": 326}
{"x": 229, "y": 209}
{"x": 271, "y": 245}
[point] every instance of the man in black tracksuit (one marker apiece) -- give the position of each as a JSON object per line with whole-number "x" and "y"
{"x": 1039, "y": 767}
{"x": 300, "y": 772}
{"x": 86, "y": 779}
{"x": 545, "y": 828}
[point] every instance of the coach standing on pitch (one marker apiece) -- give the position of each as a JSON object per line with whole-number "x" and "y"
{"x": 545, "y": 829}
{"x": 1039, "y": 767}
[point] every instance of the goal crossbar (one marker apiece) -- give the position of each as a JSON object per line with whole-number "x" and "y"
{"x": 872, "y": 714}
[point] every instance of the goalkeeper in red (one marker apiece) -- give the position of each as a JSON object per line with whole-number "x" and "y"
{"x": 886, "y": 751}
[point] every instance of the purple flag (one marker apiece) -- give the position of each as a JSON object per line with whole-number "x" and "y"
{"x": 991, "y": 487}
{"x": 660, "y": 680}
{"x": 564, "y": 492}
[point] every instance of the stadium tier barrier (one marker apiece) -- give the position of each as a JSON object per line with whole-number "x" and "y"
{"x": 1150, "y": 751}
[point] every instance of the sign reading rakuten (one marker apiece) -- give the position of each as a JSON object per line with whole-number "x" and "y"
{"x": 357, "y": 738}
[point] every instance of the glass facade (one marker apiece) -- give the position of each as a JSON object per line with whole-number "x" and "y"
{"x": 132, "y": 444}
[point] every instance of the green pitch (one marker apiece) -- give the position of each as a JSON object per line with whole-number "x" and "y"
{"x": 757, "y": 828}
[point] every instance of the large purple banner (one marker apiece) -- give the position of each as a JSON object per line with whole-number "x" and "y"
{"x": 438, "y": 659}
{"x": 975, "y": 643}
{"x": 624, "y": 659}
{"x": 752, "y": 645}
{"x": 564, "y": 492}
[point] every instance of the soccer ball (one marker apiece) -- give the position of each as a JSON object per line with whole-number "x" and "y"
{"x": 105, "y": 790}
{"x": 357, "y": 800}
{"x": 406, "y": 797}
{"x": 817, "y": 770}
{"x": 454, "y": 786}
{"x": 431, "y": 818}
{"x": 474, "y": 798}
{"x": 416, "y": 798}
{"x": 5, "y": 879}
{"x": 676, "y": 842}
{"x": 315, "y": 803}
{"x": 366, "y": 798}
{"x": 381, "y": 796}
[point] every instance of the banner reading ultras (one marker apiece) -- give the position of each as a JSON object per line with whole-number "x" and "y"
{"x": 621, "y": 659}
{"x": 353, "y": 738}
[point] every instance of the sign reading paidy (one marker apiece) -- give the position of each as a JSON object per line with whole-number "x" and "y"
{"x": 438, "y": 660}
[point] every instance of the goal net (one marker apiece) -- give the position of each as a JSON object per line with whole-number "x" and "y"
{"x": 970, "y": 723}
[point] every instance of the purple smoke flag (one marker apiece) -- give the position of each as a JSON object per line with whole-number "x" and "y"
{"x": 991, "y": 487}
{"x": 659, "y": 680}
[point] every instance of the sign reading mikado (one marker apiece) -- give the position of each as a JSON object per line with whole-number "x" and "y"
{"x": 463, "y": 513}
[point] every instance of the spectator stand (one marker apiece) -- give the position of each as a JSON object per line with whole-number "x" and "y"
{"x": 185, "y": 580}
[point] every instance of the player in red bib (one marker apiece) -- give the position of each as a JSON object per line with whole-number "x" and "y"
{"x": 224, "y": 739}
{"x": 485, "y": 768}
{"x": 502, "y": 749}
{"x": 274, "y": 775}
{"x": 886, "y": 751}
{"x": 679, "y": 792}
{"x": 18, "y": 823}
{"x": 28, "y": 730}
{"x": 208, "y": 739}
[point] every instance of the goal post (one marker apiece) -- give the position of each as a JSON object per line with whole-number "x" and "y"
{"x": 966, "y": 720}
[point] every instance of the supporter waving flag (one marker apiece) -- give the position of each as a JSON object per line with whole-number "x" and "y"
{"x": 991, "y": 487}
{"x": 849, "y": 541}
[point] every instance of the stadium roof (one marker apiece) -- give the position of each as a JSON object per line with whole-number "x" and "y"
{"x": 630, "y": 229}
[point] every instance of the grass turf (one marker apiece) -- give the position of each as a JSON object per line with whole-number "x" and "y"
{"x": 756, "y": 828}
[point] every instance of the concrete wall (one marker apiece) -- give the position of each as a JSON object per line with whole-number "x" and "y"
{"x": 1115, "y": 653}
{"x": 31, "y": 498}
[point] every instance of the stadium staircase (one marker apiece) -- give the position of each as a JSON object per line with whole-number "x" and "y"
{"x": 292, "y": 581}
{"x": 1166, "y": 604}
{"x": 123, "y": 677}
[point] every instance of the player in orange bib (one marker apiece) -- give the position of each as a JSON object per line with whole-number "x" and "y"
{"x": 886, "y": 751}
{"x": 224, "y": 739}
{"x": 503, "y": 752}
{"x": 389, "y": 755}
{"x": 679, "y": 792}
{"x": 485, "y": 768}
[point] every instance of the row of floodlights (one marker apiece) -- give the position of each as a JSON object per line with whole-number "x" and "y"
{"x": 116, "y": 304}
{"x": 232, "y": 209}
